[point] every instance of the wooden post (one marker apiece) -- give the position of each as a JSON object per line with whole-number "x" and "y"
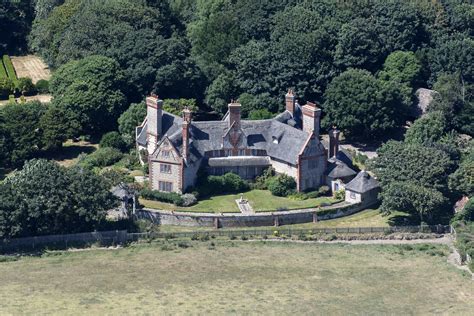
{"x": 216, "y": 222}
{"x": 315, "y": 217}
{"x": 276, "y": 221}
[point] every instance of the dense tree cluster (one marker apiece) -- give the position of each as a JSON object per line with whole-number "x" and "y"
{"x": 217, "y": 50}
{"x": 44, "y": 198}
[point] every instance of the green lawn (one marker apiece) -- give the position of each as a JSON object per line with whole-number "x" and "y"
{"x": 225, "y": 277}
{"x": 260, "y": 200}
{"x": 366, "y": 218}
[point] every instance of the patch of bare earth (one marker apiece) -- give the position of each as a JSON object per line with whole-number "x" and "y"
{"x": 31, "y": 66}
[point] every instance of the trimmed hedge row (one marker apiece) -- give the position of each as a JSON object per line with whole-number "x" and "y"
{"x": 9, "y": 68}
{"x": 3, "y": 71}
{"x": 167, "y": 197}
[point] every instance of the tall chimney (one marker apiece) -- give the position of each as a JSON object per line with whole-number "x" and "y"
{"x": 333, "y": 142}
{"x": 187, "y": 115}
{"x": 154, "y": 114}
{"x": 290, "y": 101}
{"x": 311, "y": 115}
{"x": 234, "y": 113}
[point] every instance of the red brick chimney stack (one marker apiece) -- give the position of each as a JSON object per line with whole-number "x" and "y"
{"x": 311, "y": 116}
{"x": 154, "y": 109}
{"x": 333, "y": 141}
{"x": 234, "y": 113}
{"x": 187, "y": 116}
{"x": 290, "y": 101}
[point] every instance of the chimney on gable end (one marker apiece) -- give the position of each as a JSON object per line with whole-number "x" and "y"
{"x": 311, "y": 117}
{"x": 333, "y": 142}
{"x": 234, "y": 113}
{"x": 154, "y": 112}
{"x": 187, "y": 116}
{"x": 290, "y": 101}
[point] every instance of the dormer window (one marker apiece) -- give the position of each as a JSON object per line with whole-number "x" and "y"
{"x": 275, "y": 140}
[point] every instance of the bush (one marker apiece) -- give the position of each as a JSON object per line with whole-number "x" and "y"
{"x": 281, "y": 185}
{"x": 340, "y": 195}
{"x": 6, "y": 87}
{"x": 42, "y": 86}
{"x": 323, "y": 190}
{"x": 228, "y": 183}
{"x": 102, "y": 157}
{"x": 189, "y": 199}
{"x": 26, "y": 86}
{"x": 167, "y": 197}
{"x": 113, "y": 140}
{"x": 261, "y": 181}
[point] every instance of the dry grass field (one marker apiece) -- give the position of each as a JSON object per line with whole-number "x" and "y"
{"x": 237, "y": 277}
{"x": 31, "y": 66}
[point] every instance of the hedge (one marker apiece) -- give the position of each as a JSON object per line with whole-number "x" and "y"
{"x": 10, "y": 69}
{"x": 228, "y": 183}
{"x": 167, "y": 197}
{"x": 3, "y": 71}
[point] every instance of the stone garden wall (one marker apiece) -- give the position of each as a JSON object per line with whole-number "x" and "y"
{"x": 249, "y": 220}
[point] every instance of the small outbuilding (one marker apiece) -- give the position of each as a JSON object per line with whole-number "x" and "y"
{"x": 339, "y": 174}
{"x": 363, "y": 189}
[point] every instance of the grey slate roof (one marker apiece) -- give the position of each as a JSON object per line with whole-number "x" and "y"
{"x": 362, "y": 183}
{"x": 338, "y": 170}
{"x": 257, "y": 161}
{"x": 260, "y": 134}
{"x": 171, "y": 124}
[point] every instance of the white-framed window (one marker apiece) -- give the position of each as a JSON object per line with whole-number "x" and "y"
{"x": 165, "y": 168}
{"x": 352, "y": 195}
{"x": 241, "y": 152}
{"x": 165, "y": 153}
{"x": 165, "y": 186}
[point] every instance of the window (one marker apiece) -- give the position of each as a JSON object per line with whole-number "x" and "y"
{"x": 165, "y": 168}
{"x": 336, "y": 186}
{"x": 165, "y": 153}
{"x": 241, "y": 152}
{"x": 352, "y": 195}
{"x": 165, "y": 186}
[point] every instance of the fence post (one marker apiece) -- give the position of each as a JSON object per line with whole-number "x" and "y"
{"x": 315, "y": 217}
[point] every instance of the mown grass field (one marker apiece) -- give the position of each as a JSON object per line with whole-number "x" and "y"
{"x": 238, "y": 277}
{"x": 260, "y": 200}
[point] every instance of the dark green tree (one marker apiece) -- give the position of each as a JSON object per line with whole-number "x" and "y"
{"x": 91, "y": 89}
{"x": 129, "y": 120}
{"x": 428, "y": 129}
{"x": 361, "y": 106}
{"x": 44, "y": 198}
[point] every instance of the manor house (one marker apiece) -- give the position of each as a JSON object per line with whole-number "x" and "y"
{"x": 290, "y": 143}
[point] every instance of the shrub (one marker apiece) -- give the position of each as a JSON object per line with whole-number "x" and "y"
{"x": 113, "y": 140}
{"x": 323, "y": 190}
{"x": 189, "y": 199}
{"x": 340, "y": 195}
{"x": 167, "y": 197}
{"x": 102, "y": 157}
{"x": 228, "y": 183}
{"x": 26, "y": 86}
{"x": 6, "y": 87}
{"x": 261, "y": 181}
{"x": 281, "y": 185}
{"x": 298, "y": 196}
{"x": 42, "y": 86}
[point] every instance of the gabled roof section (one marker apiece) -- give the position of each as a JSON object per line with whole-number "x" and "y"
{"x": 362, "y": 183}
{"x": 338, "y": 170}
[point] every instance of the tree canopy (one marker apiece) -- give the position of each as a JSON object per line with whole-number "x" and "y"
{"x": 44, "y": 198}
